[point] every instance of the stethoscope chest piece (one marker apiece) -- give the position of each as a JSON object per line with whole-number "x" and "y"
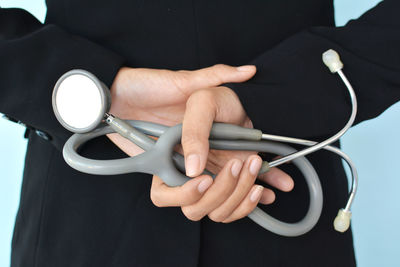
{"x": 80, "y": 101}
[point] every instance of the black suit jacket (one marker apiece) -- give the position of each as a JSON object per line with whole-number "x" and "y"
{"x": 67, "y": 218}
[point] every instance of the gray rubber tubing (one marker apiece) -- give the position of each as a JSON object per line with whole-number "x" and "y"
{"x": 310, "y": 175}
{"x": 163, "y": 154}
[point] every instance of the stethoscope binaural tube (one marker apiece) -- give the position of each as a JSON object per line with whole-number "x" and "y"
{"x": 170, "y": 164}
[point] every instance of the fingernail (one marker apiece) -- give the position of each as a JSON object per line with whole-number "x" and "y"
{"x": 204, "y": 185}
{"x": 255, "y": 165}
{"x": 245, "y": 68}
{"x": 192, "y": 164}
{"x": 256, "y": 194}
{"x": 236, "y": 167}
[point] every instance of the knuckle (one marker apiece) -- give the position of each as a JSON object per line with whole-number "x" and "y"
{"x": 192, "y": 214}
{"x": 222, "y": 68}
{"x": 226, "y": 187}
{"x": 205, "y": 98}
{"x": 189, "y": 137}
{"x": 215, "y": 73}
{"x": 192, "y": 140}
{"x": 200, "y": 96}
{"x": 226, "y": 190}
{"x": 247, "y": 209}
{"x": 221, "y": 72}
{"x": 216, "y": 217}
{"x": 230, "y": 219}
{"x": 188, "y": 196}
{"x": 155, "y": 198}
{"x": 219, "y": 67}
{"x": 189, "y": 141}
{"x": 225, "y": 193}
{"x": 239, "y": 214}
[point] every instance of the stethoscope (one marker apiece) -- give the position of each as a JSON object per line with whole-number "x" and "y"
{"x": 81, "y": 103}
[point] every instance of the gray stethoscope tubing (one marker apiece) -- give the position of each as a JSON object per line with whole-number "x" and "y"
{"x": 223, "y": 137}
{"x": 163, "y": 150}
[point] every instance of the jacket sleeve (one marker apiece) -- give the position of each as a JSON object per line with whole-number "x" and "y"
{"x": 294, "y": 94}
{"x": 32, "y": 58}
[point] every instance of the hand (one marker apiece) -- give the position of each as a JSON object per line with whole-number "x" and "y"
{"x": 160, "y": 95}
{"x": 133, "y": 94}
{"x": 233, "y": 194}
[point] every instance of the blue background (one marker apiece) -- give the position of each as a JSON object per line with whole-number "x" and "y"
{"x": 373, "y": 145}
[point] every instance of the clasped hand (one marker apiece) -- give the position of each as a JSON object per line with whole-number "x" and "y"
{"x": 196, "y": 99}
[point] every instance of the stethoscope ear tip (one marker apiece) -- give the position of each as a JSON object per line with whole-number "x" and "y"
{"x": 332, "y": 60}
{"x": 342, "y": 220}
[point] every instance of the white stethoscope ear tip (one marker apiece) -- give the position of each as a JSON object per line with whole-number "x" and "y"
{"x": 332, "y": 60}
{"x": 342, "y": 220}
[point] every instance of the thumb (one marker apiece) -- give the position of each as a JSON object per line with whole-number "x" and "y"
{"x": 217, "y": 75}
{"x": 187, "y": 194}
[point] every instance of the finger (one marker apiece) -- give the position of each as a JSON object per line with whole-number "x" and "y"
{"x": 197, "y": 123}
{"x": 278, "y": 179}
{"x": 247, "y": 205}
{"x": 125, "y": 145}
{"x": 164, "y": 196}
{"x": 219, "y": 191}
{"x": 246, "y": 181}
{"x": 217, "y": 75}
{"x": 267, "y": 197}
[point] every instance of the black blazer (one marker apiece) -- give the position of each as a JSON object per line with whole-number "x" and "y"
{"x": 67, "y": 218}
